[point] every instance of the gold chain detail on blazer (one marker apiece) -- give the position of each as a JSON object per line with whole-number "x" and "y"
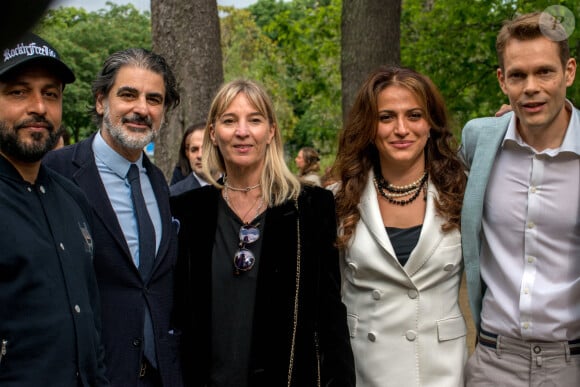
{"x": 295, "y": 319}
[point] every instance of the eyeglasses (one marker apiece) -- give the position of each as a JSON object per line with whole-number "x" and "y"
{"x": 244, "y": 259}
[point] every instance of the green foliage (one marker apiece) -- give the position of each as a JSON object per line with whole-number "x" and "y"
{"x": 248, "y": 53}
{"x": 454, "y": 44}
{"x": 307, "y": 36}
{"x": 293, "y": 48}
{"x": 84, "y": 40}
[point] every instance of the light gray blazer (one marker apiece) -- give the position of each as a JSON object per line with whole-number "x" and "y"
{"x": 481, "y": 140}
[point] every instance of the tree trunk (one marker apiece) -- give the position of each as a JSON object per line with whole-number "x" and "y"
{"x": 370, "y": 38}
{"x": 187, "y": 34}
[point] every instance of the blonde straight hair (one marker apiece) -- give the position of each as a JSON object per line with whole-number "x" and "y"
{"x": 278, "y": 182}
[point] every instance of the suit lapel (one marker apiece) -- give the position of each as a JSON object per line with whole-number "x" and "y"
{"x": 162, "y": 197}
{"x": 370, "y": 214}
{"x": 488, "y": 145}
{"x": 87, "y": 177}
{"x": 430, "y": 237}
{"x": 275, "y": 289}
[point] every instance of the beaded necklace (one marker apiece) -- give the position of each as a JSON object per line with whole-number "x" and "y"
{"x": 392, "y": 193}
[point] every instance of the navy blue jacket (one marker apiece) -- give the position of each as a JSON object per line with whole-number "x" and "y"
{"x": 123, "y": 293}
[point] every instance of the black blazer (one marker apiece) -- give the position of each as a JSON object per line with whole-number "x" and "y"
{"x": 123, "y": 293}
{"x": 321, "y": 335}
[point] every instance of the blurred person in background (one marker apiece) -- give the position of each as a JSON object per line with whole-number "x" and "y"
{"x": 308, "y": 163}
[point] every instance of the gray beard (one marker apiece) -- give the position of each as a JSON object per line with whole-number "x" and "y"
{"x": 124, "y": 137}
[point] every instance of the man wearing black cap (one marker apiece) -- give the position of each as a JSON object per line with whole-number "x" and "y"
{"x": 49, "y": 311}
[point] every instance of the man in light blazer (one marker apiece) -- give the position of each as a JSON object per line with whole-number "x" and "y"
{"x": 520, "y": 220}
{"x": 132, "y": 93}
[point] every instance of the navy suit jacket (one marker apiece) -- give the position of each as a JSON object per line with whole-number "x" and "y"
{"x": 187, "y": 184}
{"x": 124, "y": 295}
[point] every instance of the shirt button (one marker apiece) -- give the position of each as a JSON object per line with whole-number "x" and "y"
{"x": 526, "y": 291}
{"x": 531, "y": 225}
{"x": 61, "y": 246}
{"x": 530, "y": 259}
{"x": 372, "y": 337}
{"x": 526, "y": 325}
{"x": 77, "y": 309}
{"x": 42, "y": 189}
{"x": 533, "y": 189}
{"x": 411, "y": 335}
{"x": 136, "y": 342}
{"x": 412, "y": 293}
{"x": 448, "y": 267}
{"x": 376, "y": 295}
{"x": 537, "y": 349}
{"x": 29, "y": 189}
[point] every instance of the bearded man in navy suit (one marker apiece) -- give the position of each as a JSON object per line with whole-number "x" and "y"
{"x": 132, "y": 93}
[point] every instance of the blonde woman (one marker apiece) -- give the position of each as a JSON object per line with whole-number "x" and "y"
{"x": 257, "y": 268}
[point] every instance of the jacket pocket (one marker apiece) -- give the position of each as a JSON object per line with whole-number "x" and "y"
{"x": 451, "y": 328}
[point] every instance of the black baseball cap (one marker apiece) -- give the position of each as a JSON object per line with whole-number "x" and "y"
{"x": 31, "y": 48}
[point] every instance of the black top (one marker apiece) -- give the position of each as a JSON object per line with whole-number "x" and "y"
{"x": 404, "y": 241}
{"x": 49, "y": 327}
{"x": 232, "y": 301}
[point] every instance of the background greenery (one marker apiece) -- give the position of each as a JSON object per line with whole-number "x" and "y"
{"x": 293, "y": 48}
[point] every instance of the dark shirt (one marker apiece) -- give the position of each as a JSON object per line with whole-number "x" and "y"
{"x": 404, "y": 241}
{"x": 48, "y": 294}
{"x": 233, "y": 297}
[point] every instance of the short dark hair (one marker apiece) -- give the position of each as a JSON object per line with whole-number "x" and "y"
{"x": 138, "y": 57}
{"x": 183, "y": 161}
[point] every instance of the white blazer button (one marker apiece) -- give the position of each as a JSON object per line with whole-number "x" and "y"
{"x": 411, "y": 335}
{"x": 412, "y": 293}
{"x": 376, "y": 295}
{"x": 448, "y": 267}
{"x": 372, "y": 337}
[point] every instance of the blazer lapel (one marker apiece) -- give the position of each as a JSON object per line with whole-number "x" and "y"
{"x": 162, "y": 197}
{"x": 87, "y": 177}
{"x": 430, "y": 237}
{"x": 275, "y": 290}
{"x": 370, "y": 214}
{"x": 488, "y": 145}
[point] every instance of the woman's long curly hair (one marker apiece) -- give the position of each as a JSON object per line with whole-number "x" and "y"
{"x": 357, "y": 153}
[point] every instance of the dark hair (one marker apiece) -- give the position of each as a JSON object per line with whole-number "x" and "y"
{"x": 357, "y": 153}
{"x": 137, "y": 57}
{"x": 311, "y": 160}
{"x": 183, "y": 162}
{"x": 527, "y": 27}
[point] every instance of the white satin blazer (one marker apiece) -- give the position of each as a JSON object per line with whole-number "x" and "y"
{"x": 405, "y": 324}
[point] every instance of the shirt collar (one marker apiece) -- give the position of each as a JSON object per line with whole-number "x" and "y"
{"x": 114, "y": 161}
{"x": 571, "y": 141}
